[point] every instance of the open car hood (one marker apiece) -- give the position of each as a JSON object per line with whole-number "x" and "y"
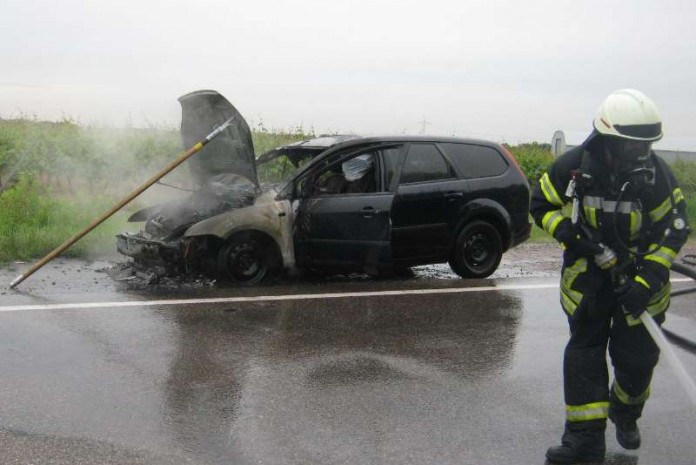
{"x": 299, "y": 151}
{"x": 230, "y": 153}
{"x": 223, "y": 171}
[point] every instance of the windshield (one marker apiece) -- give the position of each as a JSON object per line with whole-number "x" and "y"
{"x": 279, "y": 170}
{"x": 280, "y": 164}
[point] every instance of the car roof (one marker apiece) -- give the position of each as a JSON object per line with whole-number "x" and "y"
{"x": 397, "y": 139}
{"x": 300, "y": 149}
{"x": 401, "y": 139}
{"x": 420, "y": 138}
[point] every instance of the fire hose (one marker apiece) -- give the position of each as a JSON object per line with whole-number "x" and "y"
{"x": 608, "y": 260}
{"x": 684, "y": 343}
{"x": 659, "y": 335}
{"x": 666, "y": 348}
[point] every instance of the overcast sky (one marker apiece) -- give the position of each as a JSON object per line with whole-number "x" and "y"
{"x": 511, "y": 71}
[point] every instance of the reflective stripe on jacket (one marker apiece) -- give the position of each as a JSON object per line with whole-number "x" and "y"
{"x": 638, "y": 220}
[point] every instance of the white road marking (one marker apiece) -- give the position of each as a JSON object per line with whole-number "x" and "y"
{"x": 286, "y": 297}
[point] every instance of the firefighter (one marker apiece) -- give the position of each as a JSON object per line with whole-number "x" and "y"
{"x": 628, "y": 222}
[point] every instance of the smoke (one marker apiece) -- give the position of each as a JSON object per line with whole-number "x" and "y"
{"x": 89, "y": 167}
{"x": 115, "y": 161}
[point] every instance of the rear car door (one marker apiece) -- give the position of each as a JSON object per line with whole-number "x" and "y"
{"x": 494, "y": 177}
{"x": 343, "y": 223}
{"x": 426, "y": 206}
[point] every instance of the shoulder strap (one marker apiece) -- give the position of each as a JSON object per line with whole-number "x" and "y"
{"x": 585, "y": 162}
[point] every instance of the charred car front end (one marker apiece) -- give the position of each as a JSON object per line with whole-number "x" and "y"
{"x": 176, "y": 236}
{"x": 223, "y": 174}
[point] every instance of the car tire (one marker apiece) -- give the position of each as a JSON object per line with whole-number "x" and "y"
{"x": 244, "y": 260}
{"x": 477, "y": 250}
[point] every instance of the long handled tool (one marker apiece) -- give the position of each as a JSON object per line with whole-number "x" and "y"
{"x": 62, "y": 248}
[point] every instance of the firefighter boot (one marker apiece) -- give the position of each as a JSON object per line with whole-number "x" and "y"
{"x": 579, "y": 445}
{"x": 627, "y": 432}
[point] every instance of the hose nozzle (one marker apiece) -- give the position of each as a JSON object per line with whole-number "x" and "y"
{"x": 607, "y": 259}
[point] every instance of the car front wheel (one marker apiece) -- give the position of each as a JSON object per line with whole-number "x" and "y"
{"x": 477, "y": 250}
{"x": 243, "y": 260}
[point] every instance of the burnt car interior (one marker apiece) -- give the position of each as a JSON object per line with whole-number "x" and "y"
{"x": 361, "y": 172}
{"x": 293, "y": 156}
{"x": 354, "y": 176}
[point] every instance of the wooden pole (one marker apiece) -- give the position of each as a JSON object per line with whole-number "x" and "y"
{"x": 63, "y": 247}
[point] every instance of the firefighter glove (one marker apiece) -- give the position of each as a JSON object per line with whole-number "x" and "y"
{"x": 578, "y": 245}
{"x": 586, "y": 248}
{"x": 633, "y": 297}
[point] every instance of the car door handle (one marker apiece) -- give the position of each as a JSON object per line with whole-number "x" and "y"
{"x": 454, "y": 195}
{"x": 369, "y": 212}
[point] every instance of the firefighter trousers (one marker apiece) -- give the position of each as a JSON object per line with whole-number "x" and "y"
{"x": 589, "y": 398}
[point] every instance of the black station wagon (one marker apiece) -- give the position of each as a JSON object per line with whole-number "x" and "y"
{"x": 358, "y": 204}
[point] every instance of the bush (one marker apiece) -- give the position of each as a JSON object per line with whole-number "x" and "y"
{"x": 685, "y": 172}
{"x": 264, "y": 140}
{"x": 534, "y": 159}
{"x": 33, "y": 221}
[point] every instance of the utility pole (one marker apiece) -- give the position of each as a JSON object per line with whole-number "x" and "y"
{"x": 423, "y": 124}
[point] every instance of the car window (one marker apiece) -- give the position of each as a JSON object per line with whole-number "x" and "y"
{"x": 475, "y": 161}
{"x": 424, "y": 162}
{"x": 354, "y": 175}
{"x": 390, "y": 160}
{"x": 275, "y": 171}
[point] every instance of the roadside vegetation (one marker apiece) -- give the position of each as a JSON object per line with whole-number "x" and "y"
{"x": 56, "y": 177}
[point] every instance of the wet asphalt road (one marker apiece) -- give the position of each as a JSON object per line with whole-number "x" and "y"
{"x": 465, "y": 377}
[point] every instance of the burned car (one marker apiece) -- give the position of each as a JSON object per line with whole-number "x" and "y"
{"x": 354, "y": 204}
{"x": 298, "y": 153}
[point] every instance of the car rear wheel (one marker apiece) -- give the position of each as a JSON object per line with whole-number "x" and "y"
{"x": 477, "y": 250}
{"x": 243, "y": 260}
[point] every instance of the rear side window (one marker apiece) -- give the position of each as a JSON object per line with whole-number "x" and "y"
{"x": 476, "y": 161}
{"x": 424, "y": 162}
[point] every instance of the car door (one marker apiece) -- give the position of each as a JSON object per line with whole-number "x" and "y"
{"x": 426, "y": 206}
{"x": 344, "y": 223}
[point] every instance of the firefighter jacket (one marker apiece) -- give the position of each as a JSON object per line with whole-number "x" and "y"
{"x": 640, "y": 218}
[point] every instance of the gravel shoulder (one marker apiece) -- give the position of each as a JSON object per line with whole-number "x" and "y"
{"x": 535, "y": 259}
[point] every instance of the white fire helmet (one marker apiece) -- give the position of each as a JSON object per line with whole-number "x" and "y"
{"x": 629, "y": 114}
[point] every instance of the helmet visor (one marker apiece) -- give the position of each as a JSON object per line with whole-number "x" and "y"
{"x": 640, "y": 131}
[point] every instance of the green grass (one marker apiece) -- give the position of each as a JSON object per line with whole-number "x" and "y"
{"x": 539, "y": 235}
{"x": 691, "y": 211}
{"x": 33, "y": 222}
